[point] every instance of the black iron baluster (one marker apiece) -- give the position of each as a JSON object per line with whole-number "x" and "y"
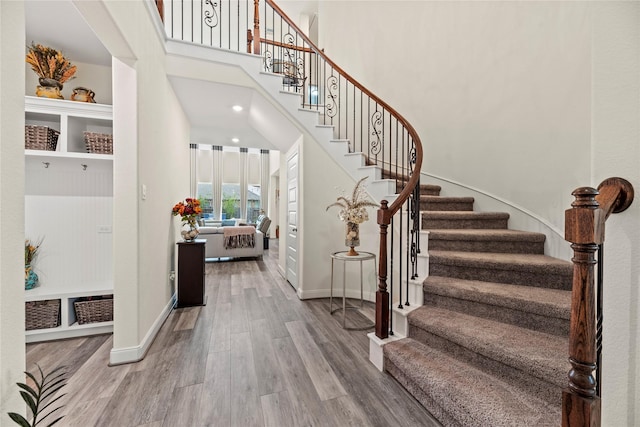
{"x": 408, "y": 249}
{"x": 390, "y": 274}
{"x": 172, "y": 18}
{"x": 599, "y": 313}
{"x": 400, "y": 260}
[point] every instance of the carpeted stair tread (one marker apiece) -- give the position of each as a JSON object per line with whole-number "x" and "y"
{"x": 541, "y": 309}
{"x": 464, "y": 219}
{"x": 518, "y": 269}
{"x": 425, "y": 189}
{"x": 440, "y": 203}
{"x": 542, "y": 301}
{"x": 460, "y": 394}
{"x": 489, "y": 240}
{"x": 534, "y": 353}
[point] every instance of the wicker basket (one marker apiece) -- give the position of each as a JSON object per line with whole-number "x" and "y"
{"x": 94, "y": 310}
{"x": 40, "y": 138}
{"x": 42, "y": 314}
{"x": 98, "y": 143}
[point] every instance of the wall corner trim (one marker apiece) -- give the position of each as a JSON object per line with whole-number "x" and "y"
{"x": 119, "y": 356}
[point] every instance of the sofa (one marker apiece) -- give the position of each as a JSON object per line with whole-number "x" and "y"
{"x": 215, "y": 242}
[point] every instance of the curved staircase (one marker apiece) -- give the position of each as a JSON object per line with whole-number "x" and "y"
{"x": 489, "y": 345}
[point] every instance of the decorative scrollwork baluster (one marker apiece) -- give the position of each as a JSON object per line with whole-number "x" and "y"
{"x": 211, "y": 19}
{"x": 268, "y": 61}
{"x": 376, "y": 141}
{"x": 331, "y": 109}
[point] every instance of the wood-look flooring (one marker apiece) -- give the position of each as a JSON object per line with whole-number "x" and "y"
{"x": 255, "y": 355}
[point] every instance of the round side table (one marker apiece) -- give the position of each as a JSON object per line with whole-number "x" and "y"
{"x": 342, "y": 256}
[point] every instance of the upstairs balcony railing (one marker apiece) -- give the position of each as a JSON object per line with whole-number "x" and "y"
{"x": 356, "y": 114}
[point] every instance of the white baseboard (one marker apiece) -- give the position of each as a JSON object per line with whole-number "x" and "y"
{"x": 337, "y": 293}
{"x": 119, "y": 356}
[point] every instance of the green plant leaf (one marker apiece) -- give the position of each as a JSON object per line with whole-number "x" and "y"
{"x": 30, "y": 375}
{"x": 28, "y": 389}
{"x": 48, "y": 390}
{"x": 59, "y": 368}
{"x": 30, "y": 402}
{"x": 55, "y": 421}
{"x": 53, "y": 411}
{"x": 19, "y": 419}
{"x": 45, "y": 387}
{"x": 50, "y": 403}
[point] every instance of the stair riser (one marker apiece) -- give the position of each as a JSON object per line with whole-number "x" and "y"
{"x": 521, "y": 247}
{"x": 551, "y": 393}
{"x": 516, "y": 276}
{"x": 429, "y": 205}
{"x": 434, "y": 409}
{"x": 529, "y": 319}
{"x": 447, "y": 223}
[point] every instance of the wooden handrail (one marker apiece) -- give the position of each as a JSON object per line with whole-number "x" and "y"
{"x": 280, "y": 44}
{"x": 386, "y": 212}
{"x": 584, "y": 228}
{"x": 160, "y": 6}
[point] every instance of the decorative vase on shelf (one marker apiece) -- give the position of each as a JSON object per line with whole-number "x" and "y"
{"x": 352, "y": 238}
{"x": 82, "y": 94}
{"x": 30, "y": 277}
{"x": 49, "y": 88}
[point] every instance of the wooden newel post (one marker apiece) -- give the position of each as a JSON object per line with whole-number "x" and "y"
{"x": 256, "y": 27}
{"x": 382, "y": 296}
{"x": 249, "y": 40}
{"x": 584, "y": 228}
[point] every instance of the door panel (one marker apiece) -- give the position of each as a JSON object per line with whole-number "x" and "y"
{"x": 292, "y": 220}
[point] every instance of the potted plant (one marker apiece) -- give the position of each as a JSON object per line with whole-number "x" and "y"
{"x": 38, "y": 397}
{"x": 52, "y": 68}
{"x": 31, "y": 250}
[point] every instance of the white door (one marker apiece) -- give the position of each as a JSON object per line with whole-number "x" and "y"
{"x": 292, "y": 220}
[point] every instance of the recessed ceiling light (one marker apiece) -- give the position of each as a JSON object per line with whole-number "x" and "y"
{"x": 235, "y": 140}
{"x": 237, "y": 108}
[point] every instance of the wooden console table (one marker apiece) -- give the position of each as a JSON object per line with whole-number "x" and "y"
{"x": 191, "y": 273}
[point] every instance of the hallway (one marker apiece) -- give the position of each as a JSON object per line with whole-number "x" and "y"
{"x": 255, "y": 355}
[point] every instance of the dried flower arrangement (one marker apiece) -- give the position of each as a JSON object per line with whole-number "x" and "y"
{"x": 49, "y": 63}
{"x": 354, "y": 209}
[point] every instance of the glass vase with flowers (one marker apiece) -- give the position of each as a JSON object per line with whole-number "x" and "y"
{"x": 188, "y": 211}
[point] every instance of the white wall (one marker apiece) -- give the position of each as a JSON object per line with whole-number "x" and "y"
{"x": 489, "y": 86}
{"x": 156, "y": 156}
{"x": 615, "y": 127}
{"x": 12, "y": 350}
{"x": 525, "y": 101}
{"x": 64, "y": 206}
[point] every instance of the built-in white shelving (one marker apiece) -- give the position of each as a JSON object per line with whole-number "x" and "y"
{"x": 69, "y": 203}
